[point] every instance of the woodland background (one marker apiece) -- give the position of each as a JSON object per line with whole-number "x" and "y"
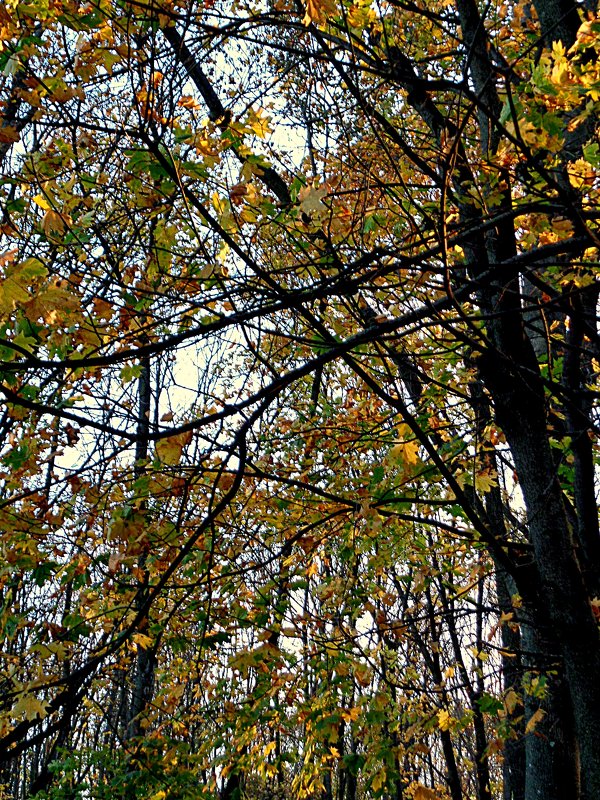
{"x": 300, "y": 365}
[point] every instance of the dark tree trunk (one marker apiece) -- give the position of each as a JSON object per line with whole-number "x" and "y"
{"x": 551, "y": 750}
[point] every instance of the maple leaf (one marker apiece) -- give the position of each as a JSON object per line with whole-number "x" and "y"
{"x": 9, "y": 134}
{"x": 53, "y": 302}
{"x": 29, "y": 707}
{"x": 311, "y": 200}
{"x": 378, "y": 781}
{"x": 238, "y": 192}
{"x": 103, "y": 310}
{"x": 258, "y": 122}
{"x": 485, "y": 480}
{"x": 52, "y": 222}
{"x": 444, "y": 720}
{"x": 317, "y": 11}
{"x": 405, "y": 452}
{"x": 169, "y": 450}
{"x": 142, "y": 641}
{"x": 351, "y": 714}
{"x": 187, "y": 101}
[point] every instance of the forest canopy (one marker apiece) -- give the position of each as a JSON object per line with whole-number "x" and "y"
{"x": 300, "y": 361}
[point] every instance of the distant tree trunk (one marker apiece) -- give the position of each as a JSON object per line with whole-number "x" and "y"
{"x": 513, "y": 767}
{"x": 145, "y": 662}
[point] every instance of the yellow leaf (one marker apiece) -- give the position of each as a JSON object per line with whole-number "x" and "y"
{"x": 269, "y": 749}
{"x": 485, "y": 480}
{"x": 30, "y": 708}
{"x": 169, "y": 450}
{"x": 580, "y": 173}
{"x": 536, "y": 717}
{"x": 405, "y": 452}
{"x": 360, "y": 15}
{"x": 363, "y": 675}
{"x": 52, "y": 303}
{"x": 511, "y": 701}
{"x": 42, "y": 201}
{"x": 12, "y": 294}
{"x": 444, "y": 720}
{"x": 312, "y": 569}
{"x": 142, "y": 640}
{"x": 351, "y": 714}
{"x": 378, "y": 781}
{"x": 258, "y": 122}
{"x": 187, "y": 101}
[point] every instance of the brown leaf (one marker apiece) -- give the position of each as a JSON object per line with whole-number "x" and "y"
{"x": 9, "y": 134}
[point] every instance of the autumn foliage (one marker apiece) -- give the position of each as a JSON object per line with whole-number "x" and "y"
{"x": 300, "y": 362}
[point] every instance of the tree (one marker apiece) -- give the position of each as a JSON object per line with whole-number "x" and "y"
{"x": 300, "y": 355}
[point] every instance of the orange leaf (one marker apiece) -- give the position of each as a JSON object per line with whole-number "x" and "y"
{"x": 317, "y": 11}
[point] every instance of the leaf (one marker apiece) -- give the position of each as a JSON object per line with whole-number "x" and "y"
{"x": 169, "y": 450}
{"x": 311, "y": 200}
{"x": 130, "y": 372}
{"x": 317, "y": 11}
{"x": 485, "y": 480}
{"x": 534, "y": 720}
{"x": 351, "y": 714}
{"x": 581, "y": 174}
{"x": 490, "y": 704}
{"x": 405, "y": 452}
{"x": 258, "y": 122}
{"x": 444, "y": 720}
{"x": 12, "y": 294}
{"x": 270, "y": 748}
{"x": 9, "y": 134}
{"x": 378, "y": 781}
{"x": 591, "y": 154}
{"x": 424, "y": 793}
{"x": 142, "y": 640}
{"x": 53, "y": 303}
{"x": 511, "y": 701}
{"x": 42, "y": 201}
{"x": 29, "y": 707}
{"x": 103, "y": 310}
